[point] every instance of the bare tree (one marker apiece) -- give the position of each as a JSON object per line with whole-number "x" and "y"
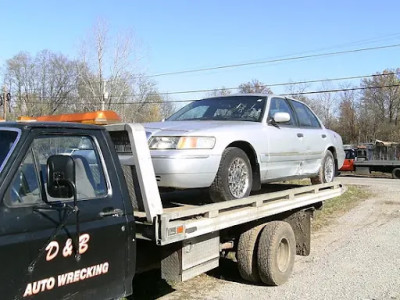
{"x": 223, "y": 91}
{"x": 348, "y": 126}
{"x": 254, "y": 86}
{"x": 381, "y": 105}
{"x": 297, "y": 91}
{"x": 43, "y": 84}
{"x": 110, "y": 79}
{"x": 325, "y": 105}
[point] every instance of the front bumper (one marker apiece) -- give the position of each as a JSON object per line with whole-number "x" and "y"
{"x": 184, "y": 170}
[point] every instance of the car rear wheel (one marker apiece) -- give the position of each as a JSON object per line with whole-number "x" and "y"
{"x": 327, "y": 170}
{"x": 234, "y": 177}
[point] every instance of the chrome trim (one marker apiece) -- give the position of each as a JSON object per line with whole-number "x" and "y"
{"x": 180, "y": 157}
{"x": 293, "y": 153}
{"x": 103, "y": 163}
{"x": 12, "y": 147}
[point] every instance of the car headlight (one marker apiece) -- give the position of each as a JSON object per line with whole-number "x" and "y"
{"x": 181, "y": 142}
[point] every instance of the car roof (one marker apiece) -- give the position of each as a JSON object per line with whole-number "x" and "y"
{"x": 251, "y": 94}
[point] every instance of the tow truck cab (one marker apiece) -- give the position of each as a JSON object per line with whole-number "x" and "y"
{"x": 50, "y": 245}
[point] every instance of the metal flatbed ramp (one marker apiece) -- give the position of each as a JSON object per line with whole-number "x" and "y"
{"x": 178, "y": 224}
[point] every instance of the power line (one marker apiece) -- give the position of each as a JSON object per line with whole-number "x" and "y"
{"x": 235, "y": 88}
{"x": 298, "y": 57}
{"x": 344, "y": 90}
{"x": 273, "y": 60}
{"x": 192, "y": 100}
{"x": 282, "y": 84}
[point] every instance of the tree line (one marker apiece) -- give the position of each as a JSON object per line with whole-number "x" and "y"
{"x": 104, "y": 76}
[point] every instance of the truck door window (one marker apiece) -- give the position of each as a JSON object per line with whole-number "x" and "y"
{"x": 89, "y": 172}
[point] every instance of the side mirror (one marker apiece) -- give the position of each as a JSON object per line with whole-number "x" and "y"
{"x": 281, "y": 117}
{"x": 60, "y": 176}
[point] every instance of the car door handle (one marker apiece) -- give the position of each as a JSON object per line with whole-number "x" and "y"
{"x": 300, "y": 135}
{"x": 324, "y": 136}
{"x": 116, "y": 212}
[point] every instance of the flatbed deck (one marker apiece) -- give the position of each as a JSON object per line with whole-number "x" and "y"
{"x": 383, "y": 163}
{"x": 186, "y": 221}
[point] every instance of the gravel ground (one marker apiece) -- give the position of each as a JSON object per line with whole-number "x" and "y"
{"x": 356, "y": 257}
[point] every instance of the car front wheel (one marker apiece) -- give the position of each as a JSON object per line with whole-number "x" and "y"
{"x": 234, "y": 177}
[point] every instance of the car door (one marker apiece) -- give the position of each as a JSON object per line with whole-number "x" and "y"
{"x": 51, "y": 263}
{"x": 315, "y": 138}
{"x": 285, "y": 143}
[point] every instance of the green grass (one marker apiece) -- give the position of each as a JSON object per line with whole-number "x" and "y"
{"x": 336, "y": 207}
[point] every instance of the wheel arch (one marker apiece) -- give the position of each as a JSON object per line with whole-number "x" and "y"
{"x": 255, "y": 166}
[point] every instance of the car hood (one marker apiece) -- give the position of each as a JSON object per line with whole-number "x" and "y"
{"x": 185, "y": 127}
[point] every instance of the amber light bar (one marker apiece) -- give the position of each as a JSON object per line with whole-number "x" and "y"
{"x": 101, "y": 117}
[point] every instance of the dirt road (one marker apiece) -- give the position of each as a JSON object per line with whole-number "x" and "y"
{"x": 356, "y": 257}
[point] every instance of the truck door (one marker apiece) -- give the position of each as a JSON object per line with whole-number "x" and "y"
{"x": 49, "y": 264}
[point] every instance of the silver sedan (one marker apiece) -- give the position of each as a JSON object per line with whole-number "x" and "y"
{"x": 233, "y": 144}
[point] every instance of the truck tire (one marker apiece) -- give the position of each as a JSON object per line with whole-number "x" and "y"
{"x": 276, "y": 252}
{"x": 247, "y": 254}
{"x": 396, "y": 173}
{"x": 234, "y": 178}
{"x": 327, "y": 170}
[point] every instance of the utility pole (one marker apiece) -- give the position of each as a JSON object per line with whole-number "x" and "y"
{"x": 5, "y": 103}
{"x": 104, "y": 96}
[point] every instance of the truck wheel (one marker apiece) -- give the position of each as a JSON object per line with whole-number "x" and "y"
{"x": 396, "y": 173}
{"x": 234, "y": 177}
{"x": 247, "y": 254}
{"x": 327, "y": 170}
{"x": 276, "y": 252}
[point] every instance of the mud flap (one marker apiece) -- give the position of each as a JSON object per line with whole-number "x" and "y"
{"x": 301, "y": 225}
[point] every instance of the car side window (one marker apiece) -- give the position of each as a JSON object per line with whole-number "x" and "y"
{"x": 281, "y": 105}
{"x": 305, "y": 116}
{"x": 89, "y": 172}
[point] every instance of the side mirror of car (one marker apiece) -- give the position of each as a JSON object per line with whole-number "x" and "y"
{"x": 60, "y": 176}
{"x": 281, "y": 117}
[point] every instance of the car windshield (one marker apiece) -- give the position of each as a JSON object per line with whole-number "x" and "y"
{"x": 7, "y": 141}
{"x": 233, "y": 108}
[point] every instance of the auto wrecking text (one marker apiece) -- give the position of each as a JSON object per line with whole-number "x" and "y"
{"x": 47, "y": 284}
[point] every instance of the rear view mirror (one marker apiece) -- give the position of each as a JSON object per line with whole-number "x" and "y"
{"x": 60, "y": 176}
{"x": 281, "y": 117}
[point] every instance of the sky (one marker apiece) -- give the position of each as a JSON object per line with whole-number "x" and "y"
{"x": 177, "y": 35}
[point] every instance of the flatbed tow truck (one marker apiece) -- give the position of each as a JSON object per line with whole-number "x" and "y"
{"x": 81, "y": 214}
{"x": 379, "y": 156}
